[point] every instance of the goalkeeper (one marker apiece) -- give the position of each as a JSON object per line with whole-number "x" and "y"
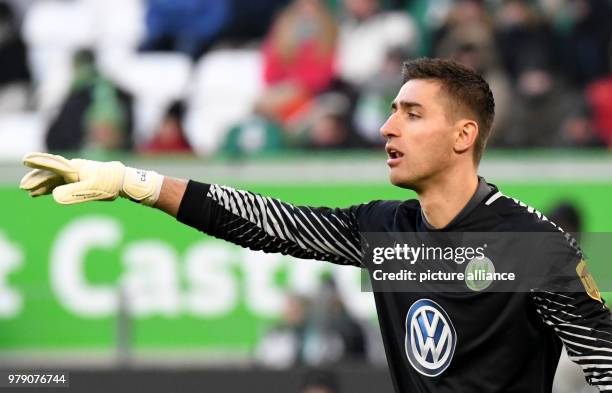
{"x": 435, "y": 342}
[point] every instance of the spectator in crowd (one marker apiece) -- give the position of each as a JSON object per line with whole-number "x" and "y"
{"x": 313, "y": 332}
{"x": 524, "y": 38}
{"x": 185, "y": 26}
{"x": 541, "y": 105}
{"x": 254, "y": 136}
{"x": 587, "y": 46}
{"x": 282, "y": 346}
{"x": 367, "y": 35}
{"x": 326, "y": 126}
{"x": 320, "y": 382}
{"x": 330, "y": 322}
{"x": 599, "y": 98}
{"x": 463, "y": 14}
{"x": 96, "y": 115}
{"x": 170, "y": 136}
{"x": 329, "y": 126}
{"x": 14, "y": 71}
{"x": 298, "y": 60}
{"x": 578, "y": 130}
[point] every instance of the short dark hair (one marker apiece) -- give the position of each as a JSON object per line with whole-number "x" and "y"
{"x": 466, "y": 91}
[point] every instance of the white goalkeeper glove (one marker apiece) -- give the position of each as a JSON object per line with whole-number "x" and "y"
{"x": 77, "y": 180}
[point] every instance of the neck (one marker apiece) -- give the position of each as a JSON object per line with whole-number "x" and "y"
{"x": 443, "y": 198}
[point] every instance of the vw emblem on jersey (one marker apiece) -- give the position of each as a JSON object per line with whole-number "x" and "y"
{"x": 430, "y": 338}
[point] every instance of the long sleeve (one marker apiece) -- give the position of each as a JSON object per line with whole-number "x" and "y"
{"x": 263, "y": 223}
{"x": 572, "y": 306}
{"x": 583, "y": 324}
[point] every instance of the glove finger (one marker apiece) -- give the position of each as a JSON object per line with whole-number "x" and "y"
{"x": 53, "y": 163}
{"x": 79, "y": 192}
{"x": 47, "y": 187}
{"x": 40, "y": 191}
{"x": 37, "y": 178}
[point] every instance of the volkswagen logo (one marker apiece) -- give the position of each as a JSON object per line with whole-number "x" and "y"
{"x": 430, "y": 338}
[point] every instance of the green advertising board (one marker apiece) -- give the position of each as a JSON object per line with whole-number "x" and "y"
{"x": 68, "y": 272}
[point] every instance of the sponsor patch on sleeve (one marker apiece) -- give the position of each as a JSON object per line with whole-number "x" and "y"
{"x": 587, "y": 281}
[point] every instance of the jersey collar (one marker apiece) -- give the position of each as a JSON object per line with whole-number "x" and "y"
{"x": 483, "y": 190}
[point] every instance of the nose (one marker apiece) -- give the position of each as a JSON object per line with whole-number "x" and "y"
{"x": 389, "y": 128}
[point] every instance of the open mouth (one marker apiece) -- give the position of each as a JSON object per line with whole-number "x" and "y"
{"x": 395, "y": 156}
{"x": 392, "y": 153}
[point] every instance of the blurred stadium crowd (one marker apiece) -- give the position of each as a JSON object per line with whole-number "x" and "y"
{"x": 244, "y": 78}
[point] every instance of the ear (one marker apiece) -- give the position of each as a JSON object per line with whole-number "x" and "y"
{"x": 466, "y": 135}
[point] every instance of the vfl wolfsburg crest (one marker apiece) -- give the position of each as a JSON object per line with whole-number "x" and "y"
{"x": 430, "y": 338}
{"x": 478, "y": 273}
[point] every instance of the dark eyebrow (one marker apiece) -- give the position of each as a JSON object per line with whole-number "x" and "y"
{"x": 405, "y": 105}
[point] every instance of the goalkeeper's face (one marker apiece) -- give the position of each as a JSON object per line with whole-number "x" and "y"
{"x": 421, "y": 135}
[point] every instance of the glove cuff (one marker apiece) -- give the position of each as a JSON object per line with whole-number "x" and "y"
{"x": 141, "y": 186}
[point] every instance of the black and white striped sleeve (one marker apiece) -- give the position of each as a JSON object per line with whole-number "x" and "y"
{"x": 583, "y": 325}
{"x": 577, "y": 314}
{"x": 263, "y": 223}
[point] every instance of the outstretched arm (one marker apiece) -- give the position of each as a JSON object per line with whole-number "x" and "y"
{"x": 241, "y": 217}
{"x": 263, "y": 223}
{"x": 171, "y": 194}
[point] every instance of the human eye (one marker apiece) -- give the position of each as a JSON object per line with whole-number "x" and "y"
{"x": 413, "y": 115}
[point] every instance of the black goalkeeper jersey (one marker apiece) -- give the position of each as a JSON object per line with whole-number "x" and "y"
{"x": 470, "y": 341}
